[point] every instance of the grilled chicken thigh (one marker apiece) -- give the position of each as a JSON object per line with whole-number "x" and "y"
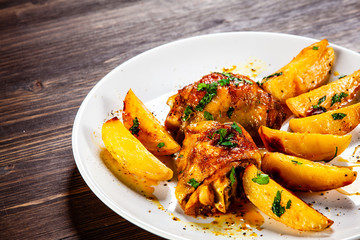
{"x": 206, "y": 165}
{"x": 224, "y": 97}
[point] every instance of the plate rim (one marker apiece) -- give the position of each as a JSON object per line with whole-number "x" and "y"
{"x": 76, "y": 124}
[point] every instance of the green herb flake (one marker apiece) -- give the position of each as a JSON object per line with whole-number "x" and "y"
{"x": 236, "y": 128}
{"x": 244, "y": 80}
{"x": 273, "y": 75}
{"x": 222, "y": 132}
{"x": 181, "y": 156}
{"x": 232, "y": 78}
{"x": 135, "y": 127}
{"x": 202, "y": 86}
{"x": 232, "y": 176}
{"x": 342, "y": 76}
{"x": 276, "y": 208}
{"x": 337, "y": 97}
{"x": 321, "y": 100}
{"x": 193, "y": 183}
{"x": 211, "y": 90}
{"x": 208, "y": 116}
{"x": 296, "y": 162}
{"x": 338, "y": 116}
{"x": 288, "y": 204}
{"x": 161, "y": 144}
{"x": 225, "y": 138}
{"x": 227, "y": 74}
{"x": 315, "y": 48}
{"x": 261, "y": 178}
{"x": 187, "y": 113}
{"x": 224, "y": 82}
{"x": 228, "y": 144}
{"x": 265, "y": 79}
{"x": 336, "y": 150}
{"x": 230, "y": 111}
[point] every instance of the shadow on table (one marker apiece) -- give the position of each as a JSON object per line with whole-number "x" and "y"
{"x": 92, "y": 219}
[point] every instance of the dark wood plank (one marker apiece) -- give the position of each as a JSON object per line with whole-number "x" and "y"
{"x": 52, "y": 52}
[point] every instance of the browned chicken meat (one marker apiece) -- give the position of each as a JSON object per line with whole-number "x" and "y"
{"x": 224, "y": 97}
{"x": 207, "y": 164}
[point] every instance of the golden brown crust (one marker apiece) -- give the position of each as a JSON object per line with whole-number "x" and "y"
{"x": 203, "y": 159}
{"x": 248, "y": 103}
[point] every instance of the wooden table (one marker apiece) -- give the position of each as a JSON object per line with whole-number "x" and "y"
{"x": 52, "y": 52}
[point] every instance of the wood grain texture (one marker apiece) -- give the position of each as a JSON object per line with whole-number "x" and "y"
{"x": 52, "y": 52}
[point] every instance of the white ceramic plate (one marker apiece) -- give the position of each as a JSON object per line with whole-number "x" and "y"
{"x": 154, "y": 76}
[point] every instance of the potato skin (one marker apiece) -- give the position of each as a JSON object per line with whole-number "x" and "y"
{"x": 151, "y": 132}
{"x": 303, "y": 105}
{"x": 308, "y": 70}
{"x": 299, "y": 215}
{"x": 299, "y": 174}
{"x": 312, "y": 146}
{"x": 325, "y": 123}
{"x": 131, "y": 154}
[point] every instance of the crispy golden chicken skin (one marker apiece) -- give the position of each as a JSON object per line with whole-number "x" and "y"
{"x": 224, "y": 97}
{"x": 206, "y": 165}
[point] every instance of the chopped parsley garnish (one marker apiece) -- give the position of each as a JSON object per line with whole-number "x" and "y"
{"x": 224, "y": 82}
{"x": 288, "y": 204}
{"x": 222, "y": 132}
{"x": 208, "y": 116}
{"x": 232, "y": 176}
{"x": 161, "y": 144}
{"x": 315, "y": 48}
{"x": 296, "y": 162}
{"x": 338, "y": 116}
{"x": 193, "y": 183}
{"x": 261, "y": 178}
{"x": 135, "y": 127}
{"x": 236, "y": 128}
{"x": 225, "y": 138}
{"x": 210, "y": 93}
{"x": 276, "y": 208}
{"x": 265, "y": 79}
{"x": 317, "y": 106}
{"x": 336, "y": 150}
{"x": 181, "y": 156}
{"x": 202, "y": 86}
{"x": 188, "y": 111}
{"x": 227, "y": 74}
{"x": 342, "y": 76}
{"x": 228, "y": 144}
{"x": 232, "y": 78}
{"x": 230, "y": 112}
{"x": 337, "y": 98}
{"x": 273, "y": 75}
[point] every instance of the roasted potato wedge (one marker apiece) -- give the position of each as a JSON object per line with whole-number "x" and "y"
{"x": 299, "y": 174}
{"x": 145, "y": 127}
{"x": 308, "y": 70}
{"x": 280, "y": 204}
{"x": 312, "y": 146}
{"x": 337, "y": 122}
{"x": 328, "y": 97}
{"x": 131, "y": 154}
